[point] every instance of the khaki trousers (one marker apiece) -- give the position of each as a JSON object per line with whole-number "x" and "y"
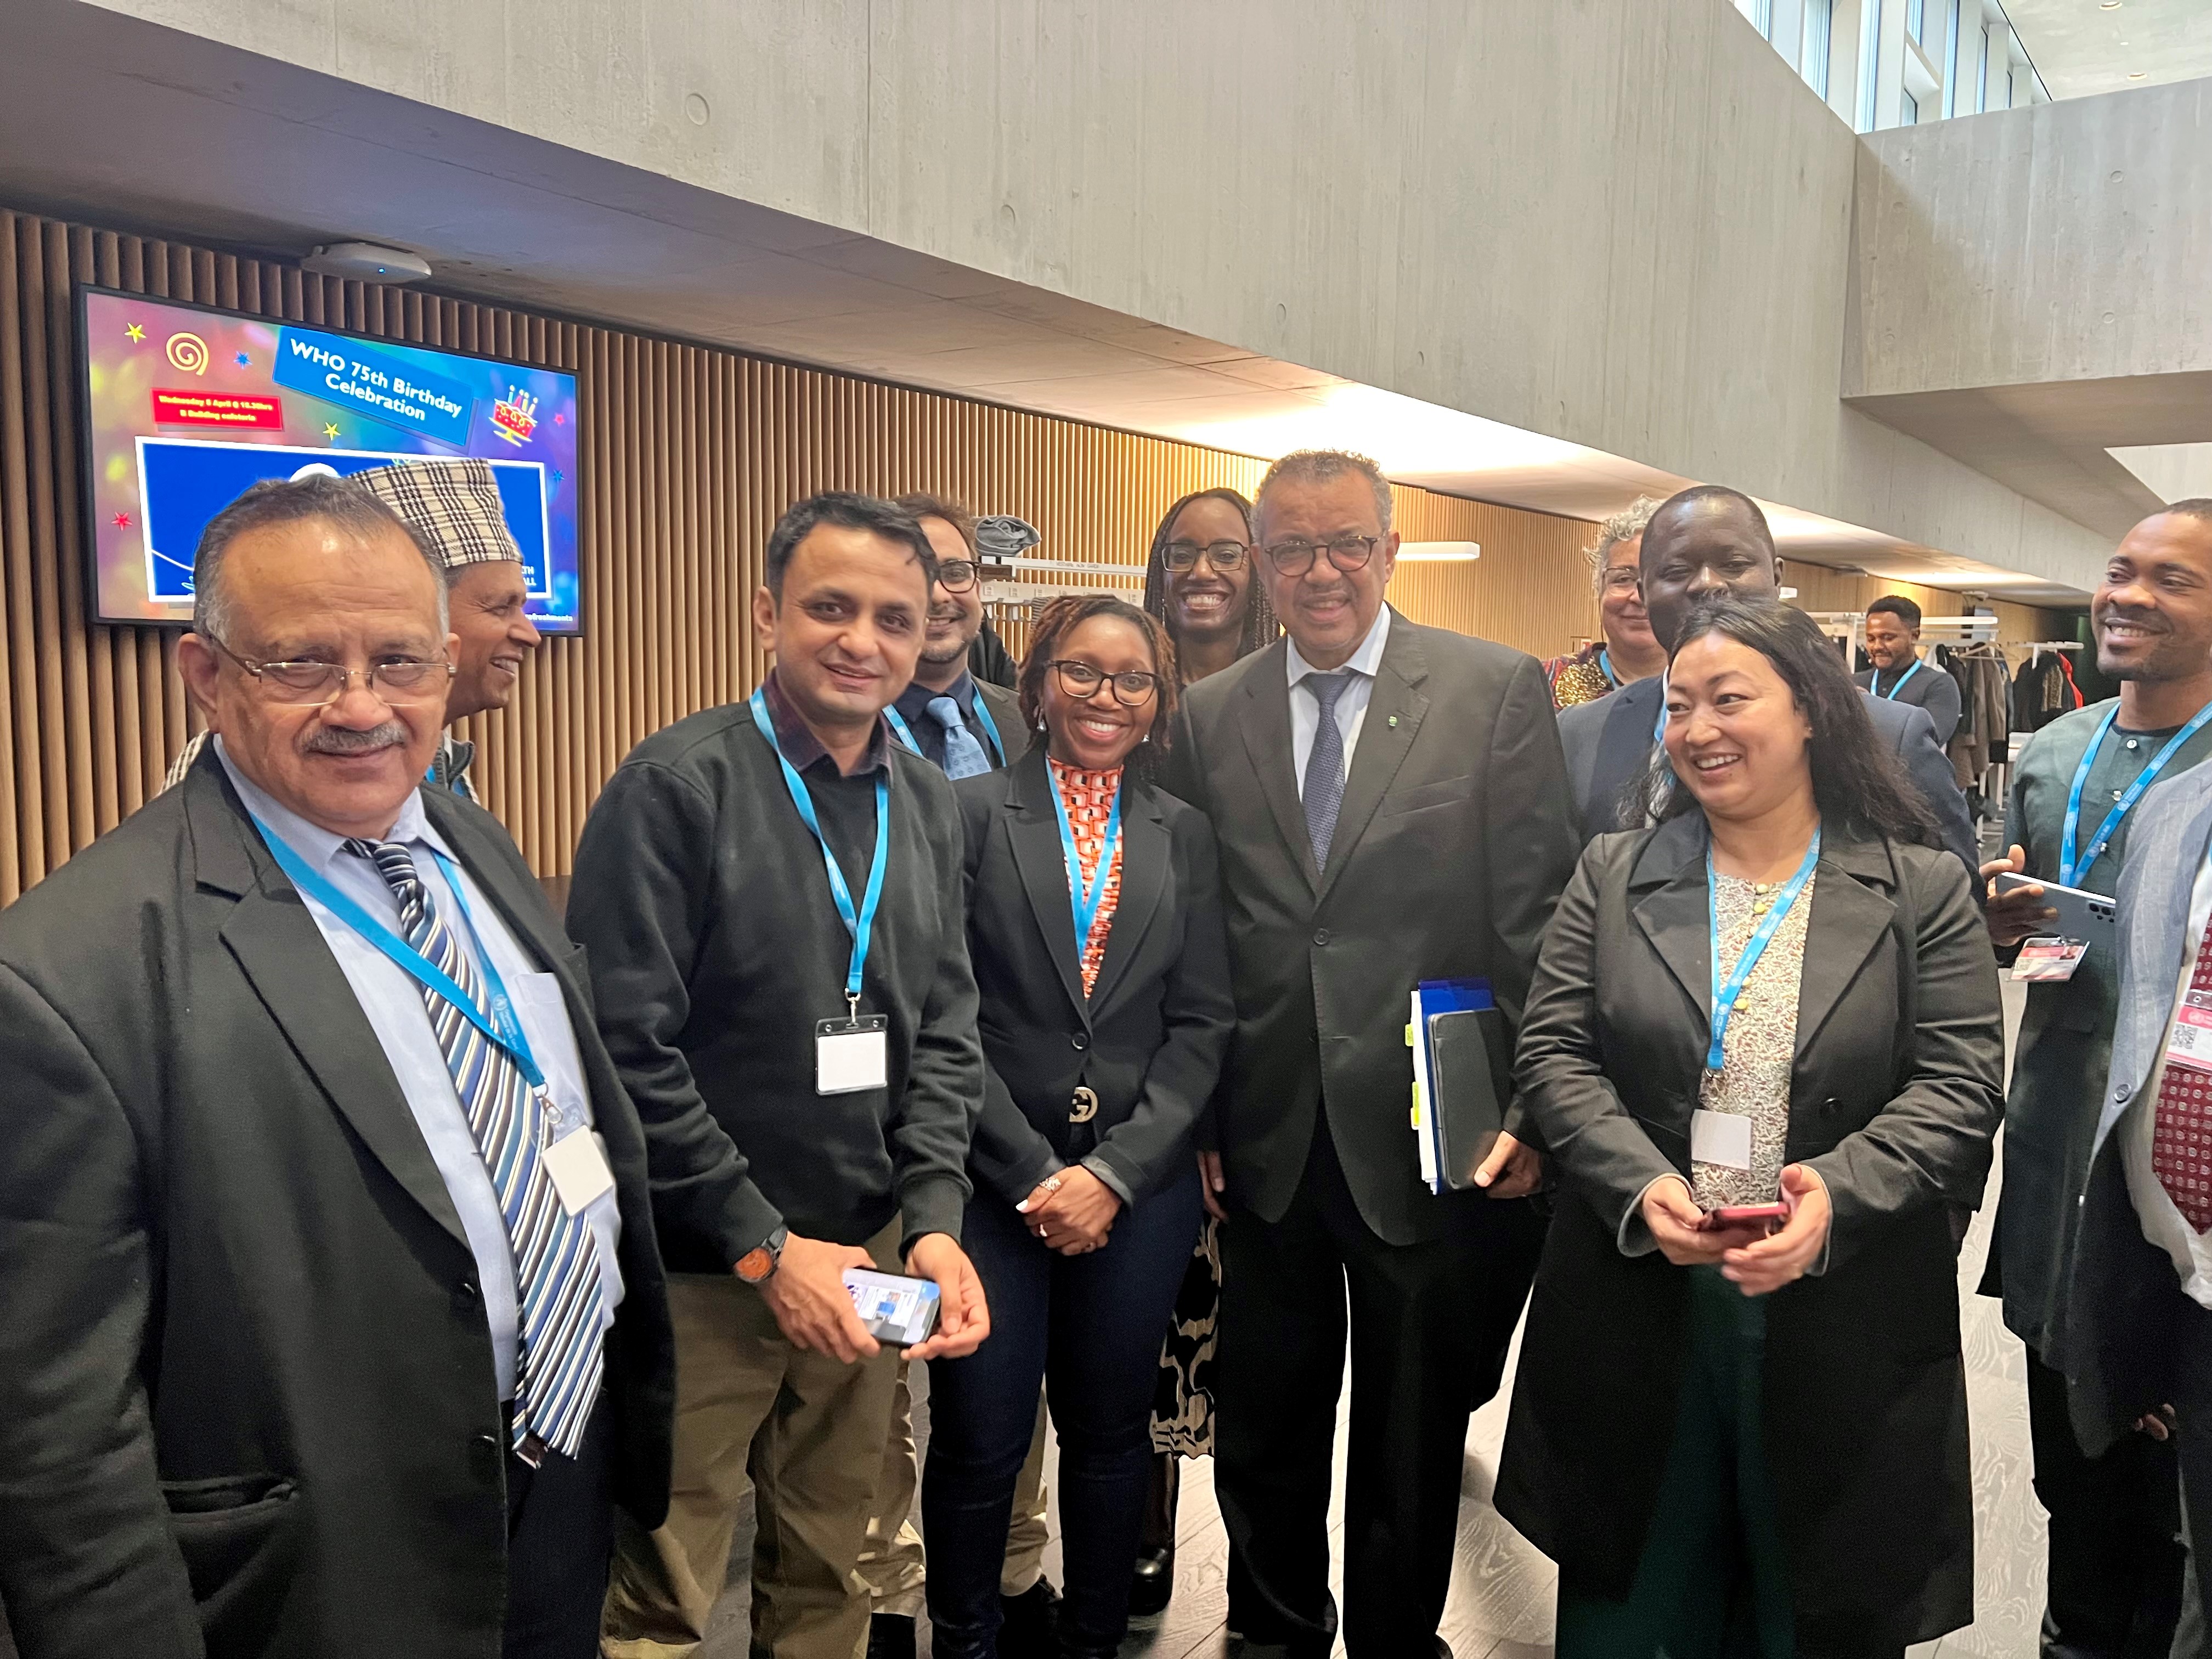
{"x": 891, "y": 1561}
{"x": 804, "y": 1434}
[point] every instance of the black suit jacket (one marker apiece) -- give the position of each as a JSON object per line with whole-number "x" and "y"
{"x": 1608, "y": 745}
{"x": 247, "y": 1390}
{"x": 1450, "y": 847}
{"x": 1893, "y": 1099}
{"x": 1149, "y": 1040}
{"x": 1932, "y": 689}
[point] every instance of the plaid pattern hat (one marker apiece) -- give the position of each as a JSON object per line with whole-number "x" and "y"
{"x": 453, "y": 506}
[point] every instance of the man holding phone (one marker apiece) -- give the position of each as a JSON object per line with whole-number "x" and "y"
{"x": 2115, "y": 1565}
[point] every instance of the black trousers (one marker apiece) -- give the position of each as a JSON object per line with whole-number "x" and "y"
{"x": 1428, "y": 1326}
{"x": 560, "y": 1536}
{"x": 2113, "y": 1537}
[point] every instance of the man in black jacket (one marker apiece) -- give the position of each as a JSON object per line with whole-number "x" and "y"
{"x": 271, "y": 1380}
{"x": 771, "y": 895}
{"x": 1390, "y": 807}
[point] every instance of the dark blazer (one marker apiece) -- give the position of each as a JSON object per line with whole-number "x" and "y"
{"x": 1005, "y": 709}
{"x": 1608, "y": 744}
{"x": 1149, "y": 1040}
{"x": 1932, "y": 689}
{"x": 1451, "y": 847}
{"x": 246, "y": 1393}
{"x": 1893, "y": 1100}
{"x": 2114, "y": 1331}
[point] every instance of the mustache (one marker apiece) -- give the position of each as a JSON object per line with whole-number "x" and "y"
{"x": 344, "y": 740}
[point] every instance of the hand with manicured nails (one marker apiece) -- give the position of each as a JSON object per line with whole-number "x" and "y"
{"x": 812, "y": 1308}
{"x": 1072, "y": 1212}
{"x": 962, "y": 1318}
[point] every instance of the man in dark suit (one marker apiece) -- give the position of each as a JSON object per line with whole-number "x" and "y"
{"x": 271, "y": 1379}
{"x": 1703, "y": 541}
{"x": 1391, "y": 807}
{"x": 1899, "y": 674}
{"x": 963, "y": 723}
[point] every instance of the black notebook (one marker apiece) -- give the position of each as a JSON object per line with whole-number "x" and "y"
{"x": 1472, "y": 1076}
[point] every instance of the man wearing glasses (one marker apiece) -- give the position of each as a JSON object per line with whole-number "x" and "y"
{"x": 1391, "y": 806}
{"x": 335, "y": 1321}
{"x": 946, "y": 715}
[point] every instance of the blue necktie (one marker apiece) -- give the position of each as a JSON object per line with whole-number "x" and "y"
{"x": 964, "y": 756}
{"x": 556, "y": 1261}
{"x": 1324, "y": 792}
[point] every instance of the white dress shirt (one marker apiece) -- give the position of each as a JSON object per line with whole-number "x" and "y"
{"x": 1351, "y": 702}
{"x": 2163, "y": 1224}
{"x": 394, "y": 1004}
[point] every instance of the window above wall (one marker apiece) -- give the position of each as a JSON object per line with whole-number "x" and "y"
{"x": 1914, "y": 61}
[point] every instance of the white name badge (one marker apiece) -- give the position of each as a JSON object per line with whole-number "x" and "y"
{"x": 851, "y": 1054}
{"x": 1722, "y": 1138}
{"x": 2049, "y": 961}
{"x": 2190, "y": 1043}
{"x": 578, "y": 1165}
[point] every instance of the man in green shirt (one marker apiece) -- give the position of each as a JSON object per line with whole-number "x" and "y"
{"x": 2115, "y": 1561}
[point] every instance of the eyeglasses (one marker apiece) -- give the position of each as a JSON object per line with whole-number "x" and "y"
{"x": 1621, "y": 578}
{"x": 1132, "y": 687}
{"x": 312, "y": 685}
{"x": 1346, "y": 553}
{"x": 1224, "y": 555}
{"x": 956, "y": 575}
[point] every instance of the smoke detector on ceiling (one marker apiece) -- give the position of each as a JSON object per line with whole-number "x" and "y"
{"x": 367, "y": 262}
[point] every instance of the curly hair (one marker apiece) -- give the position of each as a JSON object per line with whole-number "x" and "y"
{"x": 1061, "y": 617}
{"x": 1261, "y": 627}
{"x": 1625, "y": 525}
{"x": 1858, "y": 782}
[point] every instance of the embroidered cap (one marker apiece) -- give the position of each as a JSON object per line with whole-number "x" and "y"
{"x": 453, "y": 505}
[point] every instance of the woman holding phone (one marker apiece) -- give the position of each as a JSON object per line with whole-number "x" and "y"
{"x": 1096, "y": 931}
{"x": 1764, "y": 1047}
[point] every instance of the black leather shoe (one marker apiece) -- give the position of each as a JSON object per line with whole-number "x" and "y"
{"x": 1152, "y": 1585}
{"x": 890, "y": 1636}
{"x": 1032, "y": 1630}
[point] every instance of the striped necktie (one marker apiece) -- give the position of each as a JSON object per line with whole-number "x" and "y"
{"x": 1324, "y": 794}
{"x": 557, "y": 1263}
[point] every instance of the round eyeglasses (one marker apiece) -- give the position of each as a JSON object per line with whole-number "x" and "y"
{"x": 1132, "y": 687}
{"x": 1346, "y": 553}
{"x": 1223, "y": 556}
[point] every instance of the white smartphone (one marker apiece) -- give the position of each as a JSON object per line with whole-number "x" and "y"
{"x": 2093, "y": 918}
{"x": 894, "y": 1309}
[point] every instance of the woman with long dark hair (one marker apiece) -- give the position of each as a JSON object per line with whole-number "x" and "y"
{"x": 1764, "y": 1047}
{"x": 1102, "y": 966}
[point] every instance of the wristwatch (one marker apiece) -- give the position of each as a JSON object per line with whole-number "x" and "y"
{"x": 758, "y": 1265}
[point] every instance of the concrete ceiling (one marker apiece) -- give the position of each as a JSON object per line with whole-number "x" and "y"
{"x": 109, "y": 119}
{"x": 2081, "y": 46}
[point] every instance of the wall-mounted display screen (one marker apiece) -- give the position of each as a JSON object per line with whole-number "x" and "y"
{"x": 184, "y": 406}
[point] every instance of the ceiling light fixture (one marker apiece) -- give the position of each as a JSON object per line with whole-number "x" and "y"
{"x": 2135, "y": 75}
{"x": 1438, "y": 552}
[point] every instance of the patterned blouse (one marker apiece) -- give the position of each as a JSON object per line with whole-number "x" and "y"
{"x": 1089, "y": 799}
{"x": 1583, "y": 676}
{"x": 1759, "y": 1046}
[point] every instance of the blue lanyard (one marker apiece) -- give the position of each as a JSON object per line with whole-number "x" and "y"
{"x": 1604, "y": 667}
{"x": 862, "y": 924}
{"x": 1659, "y": 726}
{"x": 1082, "y": 901}
{"x": 499, "y": 1025}
{"x": 1890, "y": 695}
{"x": 1725, "y": 994}
{"x": 982, "y": 719}
{"x": 2071, "y": 870}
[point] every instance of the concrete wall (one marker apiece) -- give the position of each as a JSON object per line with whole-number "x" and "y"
{"x": 1625, "y": 223}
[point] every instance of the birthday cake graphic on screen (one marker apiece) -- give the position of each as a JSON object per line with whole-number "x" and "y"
{"x": 185, "y": 407}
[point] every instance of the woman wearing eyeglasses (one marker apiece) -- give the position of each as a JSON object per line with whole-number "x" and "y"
{"x": 1094, "y": 928}
{"x": 1198, "y": 583}
{"x": 1629, "y": 650}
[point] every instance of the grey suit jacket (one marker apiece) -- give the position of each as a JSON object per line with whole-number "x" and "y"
{"x": 1932, "y": 689}
{"x": 2112, "y": 1333}
{"x": 1450, "y": 850}
{"x": 1607, "y": 744}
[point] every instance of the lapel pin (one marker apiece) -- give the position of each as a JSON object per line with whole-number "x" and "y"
{"x": 1393, "y": 721}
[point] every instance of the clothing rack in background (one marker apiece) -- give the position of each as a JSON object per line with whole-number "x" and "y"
{"x": 1849, "y": 627}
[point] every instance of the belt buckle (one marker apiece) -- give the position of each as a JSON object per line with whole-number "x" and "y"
{"x": 1084, "y": 1105}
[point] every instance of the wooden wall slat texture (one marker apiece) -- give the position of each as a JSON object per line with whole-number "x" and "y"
{"x": 689, "y": 453}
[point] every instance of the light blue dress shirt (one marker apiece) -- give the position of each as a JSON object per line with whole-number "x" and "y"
{"x": 394, "y": 1004}
{"x": 1351, "y": 702}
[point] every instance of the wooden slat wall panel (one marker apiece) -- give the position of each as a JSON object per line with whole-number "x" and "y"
{"x": 689, "y": 453}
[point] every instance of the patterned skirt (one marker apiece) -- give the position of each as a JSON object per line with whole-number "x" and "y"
{"x": 1183, "y": 1406}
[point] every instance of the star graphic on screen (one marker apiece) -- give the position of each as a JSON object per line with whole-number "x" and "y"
{"x": 560, "y": 420}
{"x": 331, "y": 430}
{"x": 558, "y": 474}
{"x": 136, "y": 332}
{"x": 123, "y": 521}
{"x": 244, "y": 362}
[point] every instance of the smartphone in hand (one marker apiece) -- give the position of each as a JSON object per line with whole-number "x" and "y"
{"x": 1769, "y": 1216}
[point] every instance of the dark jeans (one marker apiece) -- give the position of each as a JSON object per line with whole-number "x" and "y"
{"x": 2114, "y": 1537}
{"x": 560, "y": 1537}
{"x": 1089, "y": 1327}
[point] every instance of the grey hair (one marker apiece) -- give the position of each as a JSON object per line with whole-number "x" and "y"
{"x": 277, "y": 502}
{"x": 1625, "y": 525}
{"x": 1319, "y": 466}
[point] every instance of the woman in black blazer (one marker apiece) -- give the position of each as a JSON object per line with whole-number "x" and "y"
{"x": 1734, "y": 1441}
{"x": 1101, "y": 1059}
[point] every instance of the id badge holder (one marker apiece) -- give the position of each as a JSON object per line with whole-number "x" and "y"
{"x": 2050, "y": 961}
{"x": 851, "y": 1054}
{"x": 2190, "y": 1042}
